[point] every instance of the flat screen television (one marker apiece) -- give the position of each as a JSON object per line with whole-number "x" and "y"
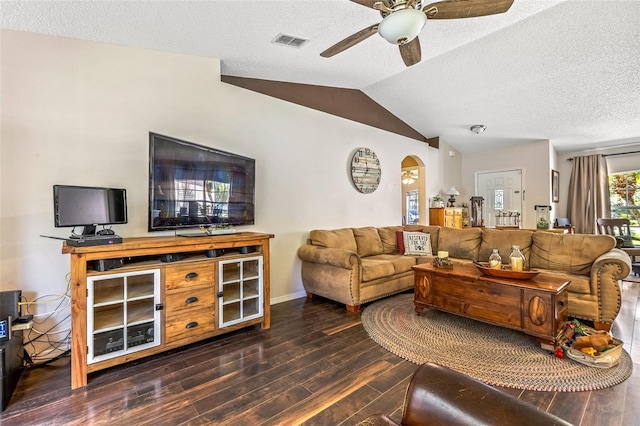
{"x": 88, "y": 206}
{"x": 192, "y": 185}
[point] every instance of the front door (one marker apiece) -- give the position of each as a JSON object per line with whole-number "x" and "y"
{"x": 502, "y": 193}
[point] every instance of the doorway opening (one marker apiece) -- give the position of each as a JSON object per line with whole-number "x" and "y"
{"x": 414, "y": 199}
{"x": 503, "y": 196}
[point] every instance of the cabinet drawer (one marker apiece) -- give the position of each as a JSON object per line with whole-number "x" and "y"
{"x": 189, "y": 275}
{"x": 190, "y": 324}
{"x": 178, "y": 301}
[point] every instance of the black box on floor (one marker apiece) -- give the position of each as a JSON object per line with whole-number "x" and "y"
{"x": 10, "y": 348}
{"x": 10, "y": 366}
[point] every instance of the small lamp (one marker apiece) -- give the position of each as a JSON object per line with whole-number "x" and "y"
{"x": 452, "y": 193}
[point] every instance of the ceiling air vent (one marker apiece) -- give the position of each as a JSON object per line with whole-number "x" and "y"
{"x": 289, "y": 40}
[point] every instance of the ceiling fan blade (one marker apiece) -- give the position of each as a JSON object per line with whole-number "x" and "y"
{"x": 367, "y": 3}
{"x": 350, "y": 41}
{"x": 410, "y": 52}
{"x": 454, "y": 9}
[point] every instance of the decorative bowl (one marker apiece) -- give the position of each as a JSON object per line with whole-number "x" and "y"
{"x": 506, "y": 272}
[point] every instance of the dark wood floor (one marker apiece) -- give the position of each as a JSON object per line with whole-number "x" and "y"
{"x": 316, "y": 366}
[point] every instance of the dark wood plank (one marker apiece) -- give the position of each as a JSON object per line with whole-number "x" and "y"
{"x": 389, "y": 403}
{"x": 316, "y": 365}
{"x": 343, "y": 409}
{"x": 570, "y": 406}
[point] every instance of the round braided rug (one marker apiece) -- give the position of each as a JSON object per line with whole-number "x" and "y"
{"x": 495, "y": 355}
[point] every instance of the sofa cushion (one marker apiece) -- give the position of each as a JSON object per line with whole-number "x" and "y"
{"x": 460, "y": 243}
{"x": 374, "y": 268}
{"x": 574, "y": 253}
{"x": 401, "y": 264}
{"x": 417, "y": 243}
{"x": 389, "y": 239}
{"x": 336, "y": 238}
{"x": 503, "y": 240}
{"x": 368, "y": 241}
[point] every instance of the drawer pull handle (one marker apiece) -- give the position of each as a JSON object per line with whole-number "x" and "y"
{"x": 191, "y": 299}
{"x": 191, "y": 275}
{"x": 192, "y": 324}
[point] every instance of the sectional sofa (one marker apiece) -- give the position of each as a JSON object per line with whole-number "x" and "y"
{"x": 358, "y": 265}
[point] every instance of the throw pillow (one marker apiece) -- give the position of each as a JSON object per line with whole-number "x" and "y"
{"x": 417, "y": 243}
{"x": 400, "y": 238}
{"x": 368, "y": 241}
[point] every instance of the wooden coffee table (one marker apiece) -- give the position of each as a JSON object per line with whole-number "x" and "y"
{"x": 537, "y": 306}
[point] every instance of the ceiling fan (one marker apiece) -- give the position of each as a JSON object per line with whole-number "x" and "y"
{"x": 402, "y": 21}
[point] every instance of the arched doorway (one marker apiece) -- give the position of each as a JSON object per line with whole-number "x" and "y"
{"x": 414, "y": 200}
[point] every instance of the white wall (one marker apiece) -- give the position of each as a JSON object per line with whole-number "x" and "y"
{"x": 76, "y": 112}
{"x": 534, "y": 160}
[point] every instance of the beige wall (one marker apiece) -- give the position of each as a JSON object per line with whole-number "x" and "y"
{"x": 76, "y": 112}
{"x": 533, "y": 158}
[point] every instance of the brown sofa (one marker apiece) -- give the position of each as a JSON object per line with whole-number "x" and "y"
{"x": 439, "y": 396}
{"x": 358, "y": 265}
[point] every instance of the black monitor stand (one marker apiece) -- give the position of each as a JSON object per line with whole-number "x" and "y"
{"x": 88, "y": 231}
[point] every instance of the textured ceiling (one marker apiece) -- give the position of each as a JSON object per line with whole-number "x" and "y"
{"x": 563, "y": 70}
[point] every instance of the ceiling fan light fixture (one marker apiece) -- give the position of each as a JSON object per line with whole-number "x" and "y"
{"x": 408, "y": 178}
{"x": 478, "y": 128}
{"x": 402, "y": 26}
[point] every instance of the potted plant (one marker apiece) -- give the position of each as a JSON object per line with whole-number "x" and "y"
{"x": 542, "y": 224}
{"x": 437, "y": 201}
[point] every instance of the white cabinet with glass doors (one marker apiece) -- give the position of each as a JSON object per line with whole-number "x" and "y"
{"x": 123, "y": 314}
{"x": 240, "y": 290}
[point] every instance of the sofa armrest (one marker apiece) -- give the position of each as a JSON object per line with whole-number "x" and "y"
{"x": 329, "y": 256}
{"x": 606, "y": 272}
{"x": 616, "y": 264}
{"x": 439, "y": 395}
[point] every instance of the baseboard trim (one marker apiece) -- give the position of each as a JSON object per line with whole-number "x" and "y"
{"x": 287, "y": 297}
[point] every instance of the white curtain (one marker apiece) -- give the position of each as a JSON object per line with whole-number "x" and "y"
{"x": 588, "y": 193}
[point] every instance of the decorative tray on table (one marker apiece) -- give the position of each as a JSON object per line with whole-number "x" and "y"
{"x": 506, "y": 272}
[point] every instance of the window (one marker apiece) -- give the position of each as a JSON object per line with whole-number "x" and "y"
{"x": 624, "y": 195}
{"x": 412, "y": 208}
{"x": 498, "y": 199}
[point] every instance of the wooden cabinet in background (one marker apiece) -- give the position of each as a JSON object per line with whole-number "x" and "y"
{"x": 448, "y": 217}
{"x": 436, "y": 216}
{"x": 453, "y": 217}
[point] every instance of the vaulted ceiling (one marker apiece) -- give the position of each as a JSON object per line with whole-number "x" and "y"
{"x": 563, "y": 70}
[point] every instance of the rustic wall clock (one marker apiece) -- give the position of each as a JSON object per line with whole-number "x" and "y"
{"x": 365, "y": 170}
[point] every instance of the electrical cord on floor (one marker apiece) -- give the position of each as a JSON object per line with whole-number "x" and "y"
{"x": 49, "y": 361}
{"x": 49, "y": 335}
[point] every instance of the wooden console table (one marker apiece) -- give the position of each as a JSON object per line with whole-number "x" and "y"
{"x": 143, "y": 306}
{"x": 537, "y": 306}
